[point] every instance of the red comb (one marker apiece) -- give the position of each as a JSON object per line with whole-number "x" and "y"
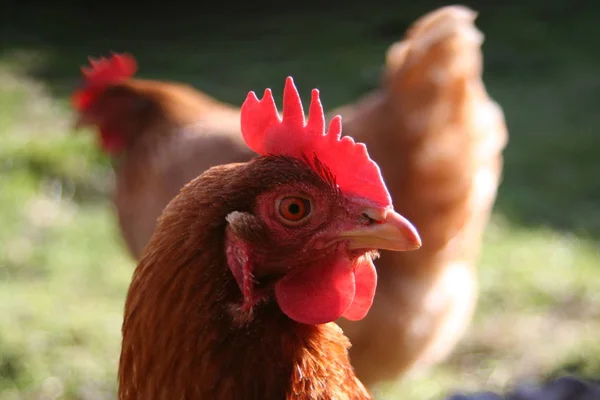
{"x": 117, "y": 68}
{"x": 114, "y": 69}
{"x": 266, "y": 133}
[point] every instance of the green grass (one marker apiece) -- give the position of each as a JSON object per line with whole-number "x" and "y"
{"x": 64, "y": 271}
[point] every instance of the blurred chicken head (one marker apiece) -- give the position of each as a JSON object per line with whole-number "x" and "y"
{"x": 102, "y": 103}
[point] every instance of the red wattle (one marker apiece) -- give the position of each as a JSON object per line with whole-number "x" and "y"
{"x": 365, "y": 276}
{"x": 317, "y": 294}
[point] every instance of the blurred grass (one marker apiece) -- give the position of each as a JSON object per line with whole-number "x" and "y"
{"x": 64, "y": 271}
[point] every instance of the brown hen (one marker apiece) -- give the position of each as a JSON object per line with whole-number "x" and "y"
{"x": 438, "y": 138}
{"x": 236, "y": 292}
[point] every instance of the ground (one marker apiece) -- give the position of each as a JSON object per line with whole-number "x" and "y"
{"x": 64, "y": 271}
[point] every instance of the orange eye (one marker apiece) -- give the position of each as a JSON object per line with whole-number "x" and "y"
{"x": 294, "y": 209}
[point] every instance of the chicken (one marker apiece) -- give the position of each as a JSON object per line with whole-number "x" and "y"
{"x": 161, "y": 135}
{"x": 438, "y": 139}
{"x": 250, "y": 263}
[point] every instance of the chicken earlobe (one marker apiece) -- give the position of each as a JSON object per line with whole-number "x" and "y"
{"x": 238, "y": 253}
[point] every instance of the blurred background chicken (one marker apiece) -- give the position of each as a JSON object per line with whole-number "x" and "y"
{"x": 438, "y": 138}
{"x": 64, "y": 269}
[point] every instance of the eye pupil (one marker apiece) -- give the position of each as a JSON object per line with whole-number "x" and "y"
{"x": 294, "y": 209}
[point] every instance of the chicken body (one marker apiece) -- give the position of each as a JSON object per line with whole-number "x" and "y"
{"x": 447, "y": 137}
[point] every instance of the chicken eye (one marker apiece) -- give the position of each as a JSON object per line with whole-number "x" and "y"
{"x": 294, "y": 209}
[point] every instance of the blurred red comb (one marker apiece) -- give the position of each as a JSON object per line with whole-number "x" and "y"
{"x": 107, "y": 70}
{"x": 104, "y": 71}
{"x": 266, "y": 133}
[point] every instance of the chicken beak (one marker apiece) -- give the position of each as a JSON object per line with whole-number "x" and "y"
{"x": 390, "y": 231}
